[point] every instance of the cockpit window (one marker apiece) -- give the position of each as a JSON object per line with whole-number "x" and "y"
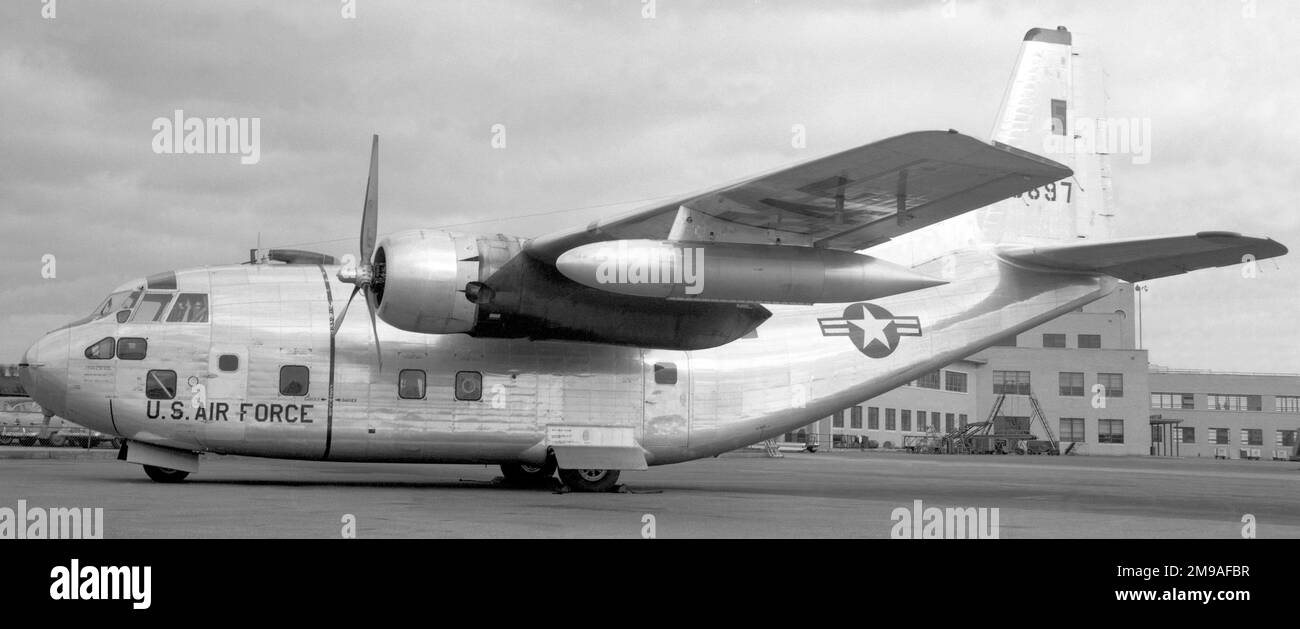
{"x": 152, "y": 307}
{"x": 124, "y": 300}
{"x": 102, "y": 350}
{"x": 189, "y": 308}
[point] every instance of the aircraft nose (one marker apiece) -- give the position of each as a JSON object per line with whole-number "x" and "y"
{"x": 44, "y": 371}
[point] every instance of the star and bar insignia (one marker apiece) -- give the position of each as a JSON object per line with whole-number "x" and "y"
{"x": 873, "y": 330}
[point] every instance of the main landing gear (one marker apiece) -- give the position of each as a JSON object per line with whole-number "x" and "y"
{"x": 526, "y": 475}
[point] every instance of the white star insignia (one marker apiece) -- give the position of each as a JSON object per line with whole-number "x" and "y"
{"x": 872, "y": 329}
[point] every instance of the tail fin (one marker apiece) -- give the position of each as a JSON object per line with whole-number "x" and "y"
{"x": 1055, "y": 92}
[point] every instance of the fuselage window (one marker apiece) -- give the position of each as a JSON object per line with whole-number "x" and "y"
{"x": 132, "y": 348}
{"x": 665, "y": 373}
{"x": 410, "y": 384}
{"x": 295, "y": 380}
{"x": 228, "y": 362}
{"x": 152, "y": 307}
{"x": 103, "y": 350}
{"x": 469, "y": 386}
{"x": 189, "y": 308}
{"x": 160, "y": 384}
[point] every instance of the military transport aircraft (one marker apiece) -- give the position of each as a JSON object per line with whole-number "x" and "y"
{"x": 670, "y": 333}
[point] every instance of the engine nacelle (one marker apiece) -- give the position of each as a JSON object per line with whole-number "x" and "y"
{"x": 420, "y": 279}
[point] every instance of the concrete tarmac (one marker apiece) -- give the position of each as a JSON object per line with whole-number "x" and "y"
{"x": 829, "y": 494}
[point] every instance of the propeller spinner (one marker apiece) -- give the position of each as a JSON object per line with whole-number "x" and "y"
{"x": 366, "y": 276}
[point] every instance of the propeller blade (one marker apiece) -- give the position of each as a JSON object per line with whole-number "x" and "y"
{"x": 370, "y": 304}
{"x": 370, "y": 214}
{"x": 338, "y": 321}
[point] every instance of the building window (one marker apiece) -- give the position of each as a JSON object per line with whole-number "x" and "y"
{"x": 469, "y": 386}
{"x": 954, "y": 381}
{"x": 873, "y": 418}
{"x": 906, "y": 419}
{"x": 295, "y": 380}
{"x": 160, "y": 384}
{"x": 228, "y": 362}
{"x": 1252, "y": 437}
{"x": 1013, "y": 382}
{"x": 1286, "y": 437}
{"x": 1072, "y": 383}
{"x": 1072, "y": 429}
{"x": 855, "y": 417}
{"x": 1114, "y": 383}
{"x": 410, "y": 384}
{"x": 1219, "y": 436}
{"x": 1110, "y": 431}
{"x": 929, "y": 380}
{"x": 1172, "y": 400}
{"x": 1053, "y": 340}
{"x": 837, "y": 420}
{"x": 1185, "y": 435}
{"x": 1089, "y": 341}
{"x": 949, "y": 422}
{"x": 132, "y": 348}
{"x": 189, "y": 308}
{"x": 1288, "y": 403}
{"x": 890, "y": 423}
{"x": 1008, "y": 341}
{"x": 1216, "y": 401}
{"x": 101, "y": 350}
{"x": 962, "y": 419}
{"x": 665, "y": 373}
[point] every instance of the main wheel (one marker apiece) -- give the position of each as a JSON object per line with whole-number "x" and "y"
{"x": 27, "y": 441}
{"x": 589, "y": 480}
{"x": 56, "y": 441}
{"x": 526, "y": 475}
{"x": 165, "y": 475}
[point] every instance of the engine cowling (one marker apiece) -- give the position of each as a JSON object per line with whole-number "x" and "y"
{"x": 420, "y": 279}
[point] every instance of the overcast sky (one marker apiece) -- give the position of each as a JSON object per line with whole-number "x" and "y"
{"x": 602, "y": 109}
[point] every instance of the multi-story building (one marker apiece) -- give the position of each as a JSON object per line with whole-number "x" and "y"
{"x": 1225, "y": 415}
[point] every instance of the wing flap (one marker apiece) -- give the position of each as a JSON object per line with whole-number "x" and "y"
{"x": 1140, "y": 259}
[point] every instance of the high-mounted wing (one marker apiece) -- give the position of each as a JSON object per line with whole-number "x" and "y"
{"x": 847, "y": 201}
{"x": 1141, "y": 259}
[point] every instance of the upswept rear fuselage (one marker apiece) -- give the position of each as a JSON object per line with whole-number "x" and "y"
{"x": 263, "y": 377}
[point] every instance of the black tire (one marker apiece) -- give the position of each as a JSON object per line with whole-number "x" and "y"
{"x": 165, "y": 475}
{"x": 6, "y": 441}
{"x": 589, "y": 480}
{"x": 56, "y": 441}
{"x": 526, "y": 475}
{"x": 117, "y": 444}
{"x": 27, "y": 441}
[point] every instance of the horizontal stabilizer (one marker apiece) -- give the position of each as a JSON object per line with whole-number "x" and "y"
{"x": 1139, "y": 259}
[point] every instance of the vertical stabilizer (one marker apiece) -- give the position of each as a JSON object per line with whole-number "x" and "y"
{"x": 1053, "y": 106}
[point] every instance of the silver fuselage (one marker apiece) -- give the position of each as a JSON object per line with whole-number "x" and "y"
{"x": 270, "y": 316}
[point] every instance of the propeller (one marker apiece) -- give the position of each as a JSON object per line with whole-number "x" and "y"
{"x": 365, "y": 276}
